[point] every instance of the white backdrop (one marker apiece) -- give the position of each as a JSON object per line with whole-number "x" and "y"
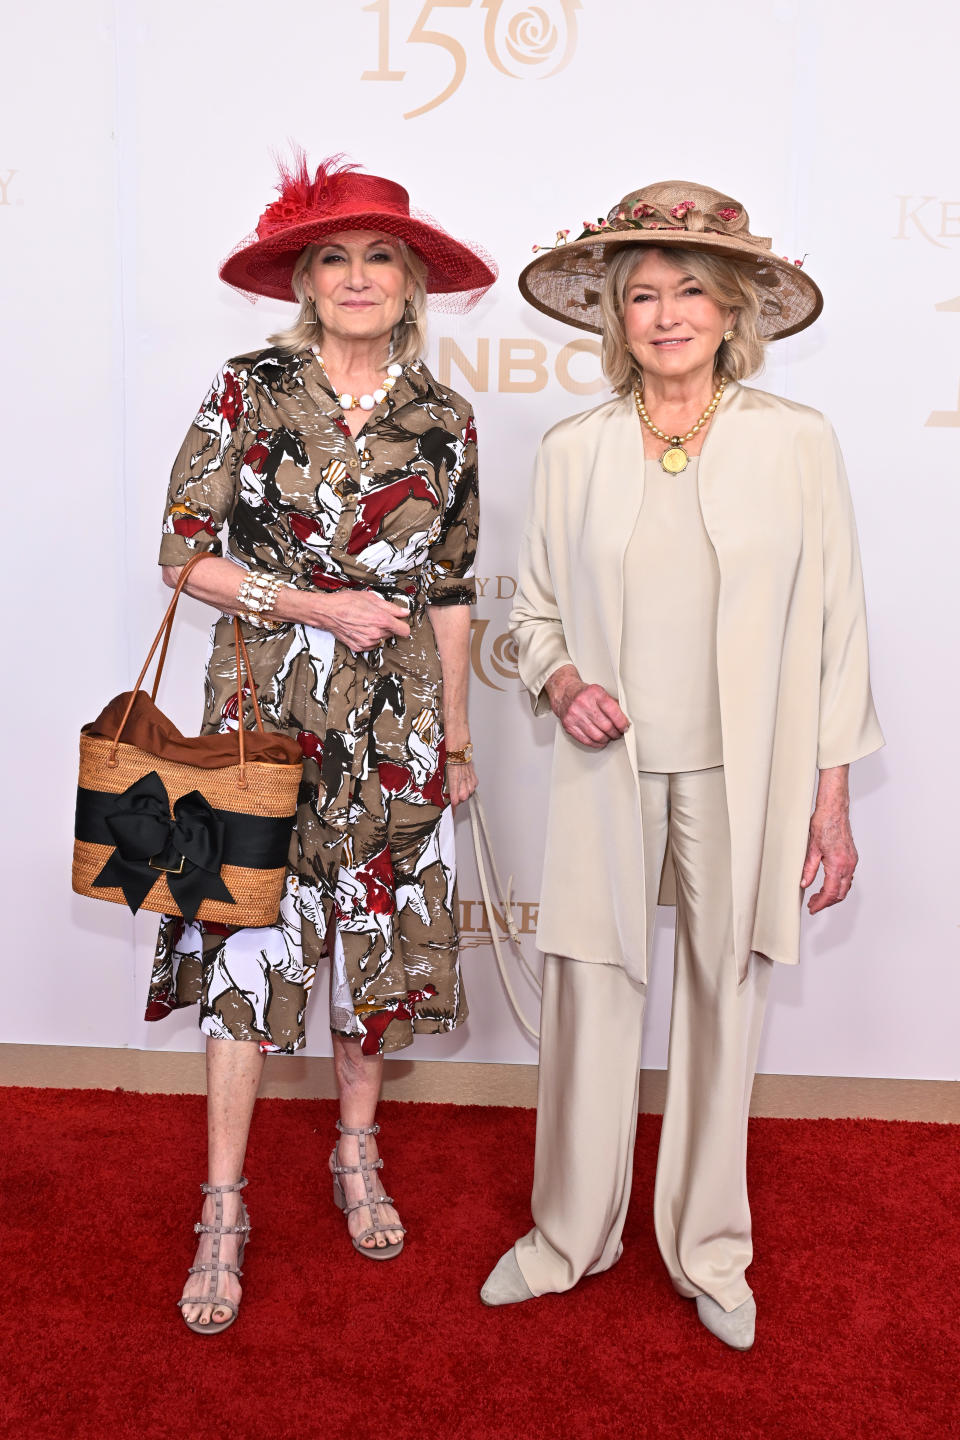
{"x": 135, "y": 150}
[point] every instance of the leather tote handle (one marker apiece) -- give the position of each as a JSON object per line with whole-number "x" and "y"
{"x": 239, "y": 645}
{"x": 166, "y": 627}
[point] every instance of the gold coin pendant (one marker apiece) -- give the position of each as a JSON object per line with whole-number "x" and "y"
{"x": 674, "y": 460}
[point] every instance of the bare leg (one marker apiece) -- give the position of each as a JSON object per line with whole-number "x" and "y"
{"x": 359, "y": 1078}
{"x": 234, "y": 1068}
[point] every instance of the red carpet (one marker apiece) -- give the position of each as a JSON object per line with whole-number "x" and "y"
{"x": 857, "y": 1277}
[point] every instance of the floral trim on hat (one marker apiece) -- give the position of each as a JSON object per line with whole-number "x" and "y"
{"x": 685, "y": 215}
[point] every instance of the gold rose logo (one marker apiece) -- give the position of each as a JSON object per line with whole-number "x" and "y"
{"x": 531, "y": 39}
{"x": 492, "y": 656}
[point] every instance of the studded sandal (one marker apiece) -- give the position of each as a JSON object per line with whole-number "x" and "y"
{"x": 371, "y": 1199}
{"x": 215, "y": 1266}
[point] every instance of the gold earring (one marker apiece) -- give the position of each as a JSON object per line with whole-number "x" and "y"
{"x": 316, "y": 316}
{"x": 728, "y": 335}
{"x": 410, "y": 316}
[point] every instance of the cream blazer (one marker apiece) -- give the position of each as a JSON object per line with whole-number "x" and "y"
{"x": 791, "y": 658}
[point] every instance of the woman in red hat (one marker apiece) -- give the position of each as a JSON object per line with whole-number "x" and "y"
{"x": 345, "y": 476}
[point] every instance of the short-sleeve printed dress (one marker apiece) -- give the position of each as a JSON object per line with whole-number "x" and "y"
{"x": 371, "y": 874}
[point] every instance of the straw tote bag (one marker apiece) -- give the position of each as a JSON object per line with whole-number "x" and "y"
{"x": 198, "y": 827}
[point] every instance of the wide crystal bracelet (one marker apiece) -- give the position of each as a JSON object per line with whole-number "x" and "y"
{"x": 460, "y": 757}
{"x": 257, "y": 597}
{"x": 258, "y": 592}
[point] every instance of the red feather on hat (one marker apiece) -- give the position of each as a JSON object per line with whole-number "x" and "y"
{"x": 295, "y": 183}
{"x": 299, "y": 194}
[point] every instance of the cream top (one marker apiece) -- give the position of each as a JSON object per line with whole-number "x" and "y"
{"x": 668, "y": 658}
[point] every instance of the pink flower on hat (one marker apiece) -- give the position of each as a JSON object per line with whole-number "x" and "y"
{"x": 680, "y": 210}
{"x": 728, "y": 213}
{"x": 560, "y": 240}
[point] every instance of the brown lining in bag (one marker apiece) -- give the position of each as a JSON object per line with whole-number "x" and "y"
{"x": 149, "y": 729}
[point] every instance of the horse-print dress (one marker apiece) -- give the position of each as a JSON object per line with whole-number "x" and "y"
{"x": 371, "y": 872}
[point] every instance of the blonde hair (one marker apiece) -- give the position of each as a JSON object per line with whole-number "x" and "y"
{"x": 409, "y": 338}
{"x": 725, "y": 281}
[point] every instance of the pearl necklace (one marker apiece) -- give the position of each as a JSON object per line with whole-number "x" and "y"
{"x": 347, "y": 401}
{"x": 675, "y": 459}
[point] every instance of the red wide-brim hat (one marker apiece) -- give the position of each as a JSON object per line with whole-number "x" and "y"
{"x": 339, "y": 197}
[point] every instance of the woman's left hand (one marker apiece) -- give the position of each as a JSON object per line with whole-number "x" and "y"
{"x": 451, "y": 625}
{"x": 831, "y": 842}
{"x": 461, "y": 783}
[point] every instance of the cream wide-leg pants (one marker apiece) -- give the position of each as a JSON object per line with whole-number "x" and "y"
{"x": 590, "y": 1033}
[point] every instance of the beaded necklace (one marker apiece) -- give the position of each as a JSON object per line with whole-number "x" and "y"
{"x": 347, "y": 401}
{"x": 675, "y": 459}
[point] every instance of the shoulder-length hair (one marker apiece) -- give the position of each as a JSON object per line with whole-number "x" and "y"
{"x": 409, "y": 338}
{"x": 725, "y": 281}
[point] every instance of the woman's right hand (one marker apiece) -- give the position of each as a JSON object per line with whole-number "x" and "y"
{"x": 361, "y": 619}
{"x": 588, "y": 713}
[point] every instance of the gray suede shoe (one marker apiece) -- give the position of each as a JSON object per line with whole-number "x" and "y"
{"x": 735, "y": 1328}
{"x": 505, "y": 1284}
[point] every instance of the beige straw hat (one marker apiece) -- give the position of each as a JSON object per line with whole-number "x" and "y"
{"x": 565, "y": 279}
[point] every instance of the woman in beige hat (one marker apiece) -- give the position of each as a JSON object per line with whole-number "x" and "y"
{"x": 345, "y": 477}
{"x": 690, "y": 607}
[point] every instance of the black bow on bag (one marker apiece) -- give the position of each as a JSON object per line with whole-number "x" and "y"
{"x": 233, "y": 815}
{"x": 186, "y": 847}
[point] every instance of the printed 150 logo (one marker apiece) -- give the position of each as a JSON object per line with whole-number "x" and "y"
{"x": 521, "y": 40}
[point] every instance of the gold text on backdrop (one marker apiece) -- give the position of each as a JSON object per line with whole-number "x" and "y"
{"x": 501, "y": 587}
{"x": 949, "y": 418}
{"x": 522, "y": 366}
{"x": 927, "y": 215}
{"x": 5, "y": 186}
{"x": 475, "y": 930}
{"x": 523, "y": 41}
